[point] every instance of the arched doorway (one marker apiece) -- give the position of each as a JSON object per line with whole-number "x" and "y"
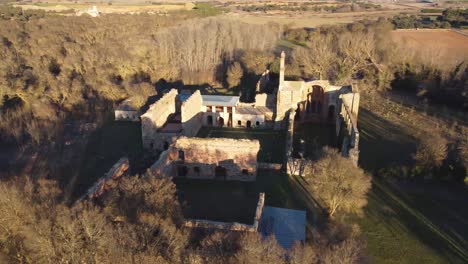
{"x": 331, "y": 112}
{"x": 220, "y": 173}
{"x": 315, "y": 99}
{"x": 318, "y": 96}
{"x": 220, "y": 121}
{"x": 209, "y": 120}
{"x": 249, "y": 124}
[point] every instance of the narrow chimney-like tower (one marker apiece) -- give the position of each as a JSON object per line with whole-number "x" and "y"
{"x": 281, "y": 73}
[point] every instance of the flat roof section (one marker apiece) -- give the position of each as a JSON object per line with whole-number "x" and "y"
{"x": 220, "y": 100}
{"x": 250, "y": 110}
{"x": 287, "y": 225}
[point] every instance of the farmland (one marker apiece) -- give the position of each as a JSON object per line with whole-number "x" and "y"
{"x": 440, "y": 45}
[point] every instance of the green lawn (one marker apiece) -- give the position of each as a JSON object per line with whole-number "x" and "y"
{"x": 233, "y": 201}
{"x": 105, "y": 147}
{"x": 420, "y": 222}
{"x": 272, "y": 142}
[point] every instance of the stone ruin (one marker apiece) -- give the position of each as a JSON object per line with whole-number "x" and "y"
{"x": 209, "y": 158}
{"x": 200, "y": 223}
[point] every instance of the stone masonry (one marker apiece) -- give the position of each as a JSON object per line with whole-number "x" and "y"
{"x": 210, "y": 158}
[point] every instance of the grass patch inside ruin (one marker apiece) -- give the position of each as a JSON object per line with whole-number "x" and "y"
{"x": 234, "y": 201}
{"x": 105, "y": 147}
{"x": 272, "y": 142}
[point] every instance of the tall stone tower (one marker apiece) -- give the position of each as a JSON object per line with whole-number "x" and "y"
{"x": 281, "y": 73}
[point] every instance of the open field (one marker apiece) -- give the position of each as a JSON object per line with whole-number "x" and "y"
{"x": 106, "y": 8}
{"x": 408, "y": 222}
{"x": 272, "y": 143}
{"x": 314, "y": 19}
{"x": 441, "y": 45}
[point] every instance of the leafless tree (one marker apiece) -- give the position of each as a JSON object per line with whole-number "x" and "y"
{"x": 339, "y": 184}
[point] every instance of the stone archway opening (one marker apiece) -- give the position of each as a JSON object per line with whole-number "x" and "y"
{"x": 209, "y": 120}
{"x": 315, "y": 100}
{"x": 220, "y": 121}
{"x": 249, "y": 124}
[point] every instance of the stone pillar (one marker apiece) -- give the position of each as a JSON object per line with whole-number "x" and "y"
{"x": 282, "y": 69}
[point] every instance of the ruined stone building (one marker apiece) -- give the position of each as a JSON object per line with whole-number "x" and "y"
{"x": 209, "y": 158}
{"x": 176, "y": 115}
{"x": 126, "y": 111}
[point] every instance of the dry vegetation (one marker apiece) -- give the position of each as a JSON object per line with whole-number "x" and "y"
{"x": 57, "y": 69}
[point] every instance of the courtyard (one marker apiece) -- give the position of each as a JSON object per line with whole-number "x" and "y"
{"x": 312, "y": 137}
{"x": 234, "y": 201}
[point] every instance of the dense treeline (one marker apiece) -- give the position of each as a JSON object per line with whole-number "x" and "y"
{"x": 57, "y": 66}
{"x": 457, "y": 18}
{"x": 139, "y": 220}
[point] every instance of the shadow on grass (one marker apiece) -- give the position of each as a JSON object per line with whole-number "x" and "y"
{"x": 401, "y": 214}
{"x": 397, "y": 219}
{"x": 105, "y": 147}
{"x": 382, "y": 143}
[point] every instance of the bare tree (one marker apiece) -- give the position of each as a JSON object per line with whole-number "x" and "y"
{"x": 234, "y": 74}
{"x": 339, "y": 184}
{"x": 431, "y": 152}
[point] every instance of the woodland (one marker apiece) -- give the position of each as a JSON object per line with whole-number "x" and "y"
{"x": 60, "y": 69}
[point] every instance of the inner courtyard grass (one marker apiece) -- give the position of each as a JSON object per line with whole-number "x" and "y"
{"x": 106, "y": 146}
{"x": 234, "y": 201}
{"x": 272, "y": 142}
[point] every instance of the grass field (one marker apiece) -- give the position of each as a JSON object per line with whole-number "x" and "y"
{"x": 314, "y": 19}
{"x": 105, "y": 147}
{"x": 272, "y": 143}
{"x": 234, "y": 201}
{"x": 406, "y": 222}
{"x": 441, "y": 46}
{"x": 105, "y": 8}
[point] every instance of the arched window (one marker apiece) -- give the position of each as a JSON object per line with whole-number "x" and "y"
{"x": 249, "y": 124}
{"x": 239, "y": 123}
{"x": 181, "y": 155}
{"x": 257, "y": 123}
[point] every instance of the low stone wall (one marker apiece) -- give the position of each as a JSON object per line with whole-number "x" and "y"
{"x": 234, "y": 226}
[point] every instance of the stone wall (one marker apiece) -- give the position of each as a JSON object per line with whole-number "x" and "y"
{"x": 191, "y": 116}
{"x": 198, "y": 223}
{"x": 349, "y": 111}
{"x": 155, "y": 118}
{"x": 126, "y": 115}
{"x": 210, "y": 158}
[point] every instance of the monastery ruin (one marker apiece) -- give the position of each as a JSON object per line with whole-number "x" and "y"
{"x": 181, "y": 115}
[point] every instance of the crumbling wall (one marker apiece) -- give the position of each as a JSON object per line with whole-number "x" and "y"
{"x": 209, "y": 158}
{"x": 351, "y": 100}
{"x": 349, "y": 111}
{"x": 191, "y": 115}
{"x": 155, "y": 118}
{"x": 198, "y": 223}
